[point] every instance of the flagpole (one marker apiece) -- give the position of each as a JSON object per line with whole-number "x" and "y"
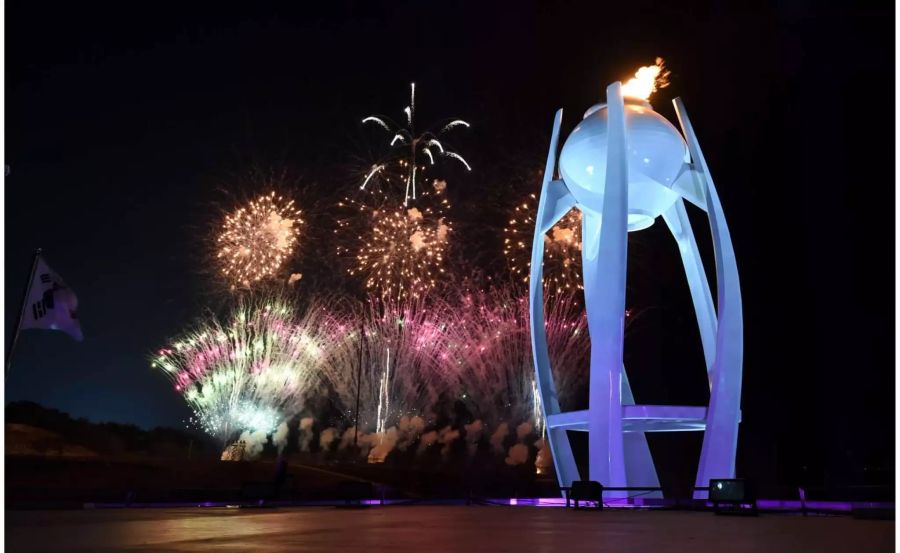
{"x": 15, "y": 339}
{"x": 362, "y": 333}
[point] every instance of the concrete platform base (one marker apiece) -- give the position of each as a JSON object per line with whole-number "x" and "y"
{"x": 436, "y": 528}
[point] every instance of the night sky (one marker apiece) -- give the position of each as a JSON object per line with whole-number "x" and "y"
{"x": 129, "y": 124}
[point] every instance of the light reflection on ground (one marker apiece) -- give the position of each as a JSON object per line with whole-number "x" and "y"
{"x": 434, "y": 528}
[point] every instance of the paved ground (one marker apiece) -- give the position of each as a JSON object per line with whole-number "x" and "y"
{"x": 432, "y": 528}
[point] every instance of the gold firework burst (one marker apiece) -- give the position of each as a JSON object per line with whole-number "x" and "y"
{"x": 562, "y": 247}
{"x": 398, "y": 250}
{"x": 256, "y": 239}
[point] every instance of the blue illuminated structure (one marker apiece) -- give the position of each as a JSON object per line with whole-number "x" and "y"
{"x": 623, "y": 166}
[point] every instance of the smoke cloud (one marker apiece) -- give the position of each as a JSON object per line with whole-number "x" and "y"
{"x": 327, "y": 437}
{"x": 518, "y": 454}
{"x": 417, "y": 240}
{"x": 498, "y": 437}
{"x": 474, "y": 432}
{"x": 442, "y": 231}
{"x": 306, "y": 433}
{"x": 523, "y": 430}
{"x": 382, "y": 443}
{"x": 409, "y": 430}
{"x": 564, "y": 234}
{"x": 253, "y": 443}
{"x": 447, "y": 437}
{"x": 350, "y": 435}
{"x": 280, "y": 437}
{"x": 428, "y": 439}
{"x": 543, "y": 460}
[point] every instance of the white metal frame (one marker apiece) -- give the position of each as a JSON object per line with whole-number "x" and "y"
{"x": 618, "y": 452}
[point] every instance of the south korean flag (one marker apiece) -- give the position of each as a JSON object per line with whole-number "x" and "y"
{"x": 51, "y": 305}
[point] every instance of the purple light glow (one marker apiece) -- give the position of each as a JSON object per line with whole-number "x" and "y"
{"x": 650, "y": 503}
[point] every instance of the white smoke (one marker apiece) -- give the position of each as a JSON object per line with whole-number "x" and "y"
{"x": 232, "y": 452}
{"x": 417, "y": 240}
{"x": 447, "y": 437}
{"x": 562, "y": 234}
{"x": 442, "y": 230}
{"x": 428, "y": 439}
{"x": 280, "y": 229}
{"x": 382, "y": 443}
{"x": 350, "y": 435}
{"x": 280, "y": 437}
{"x": 518, "y": 454}
{"x": 473, "y": 436}
{"x": 409, "y": 429}
{"x": 498, "y": 437}
{"x": 413, "y": 213}
{"x": 523, "y": 430}
{"x": 543, "y": 460}
{"x": 327, "y": 437}
{"x": 253, "y": 443}
{"x": 306, "y": 433}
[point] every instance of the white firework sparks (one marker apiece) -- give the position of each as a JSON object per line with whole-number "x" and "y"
{"x": 410, "y": 143}
{"x": 252, "y": 370}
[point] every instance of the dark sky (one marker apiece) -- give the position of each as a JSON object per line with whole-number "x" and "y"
{"x": 125, "y": 122}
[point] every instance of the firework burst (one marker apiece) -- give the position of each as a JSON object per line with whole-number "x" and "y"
{"x": 562, "y": 248}
{"x": 399, "y": 250}
{"x": 497, "y": 367}
{"x": 255, "y": 240}
{"x": 249, "y": 372}
{"x": 411, "y": 153}
{"x": 404, "y": 349}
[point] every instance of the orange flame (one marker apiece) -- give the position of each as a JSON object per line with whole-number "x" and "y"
{"x": 647, "y": 80}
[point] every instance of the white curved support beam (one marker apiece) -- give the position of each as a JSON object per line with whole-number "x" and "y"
{"x": 639, "y": 468}
{"x": 680, "y": 226}
{"x": 690, "y": 186}
{"x": 557, "y": 202}
{"x": 604, "y": 296}
{"x": 717, "y": 456}
{"x": 551, "y": 196}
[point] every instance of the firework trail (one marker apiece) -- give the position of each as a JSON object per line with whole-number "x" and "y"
{"x": 407, "y": 359}
{"x": 255, "y": 240}
{"x": 251, "y": 371}
{"x": 497, "y": 368}
{"x": 404, "y": 348}
{"x": 398, "y": 250}
{"x": 562, "y": 248}
{"x": 409, "y": 149}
